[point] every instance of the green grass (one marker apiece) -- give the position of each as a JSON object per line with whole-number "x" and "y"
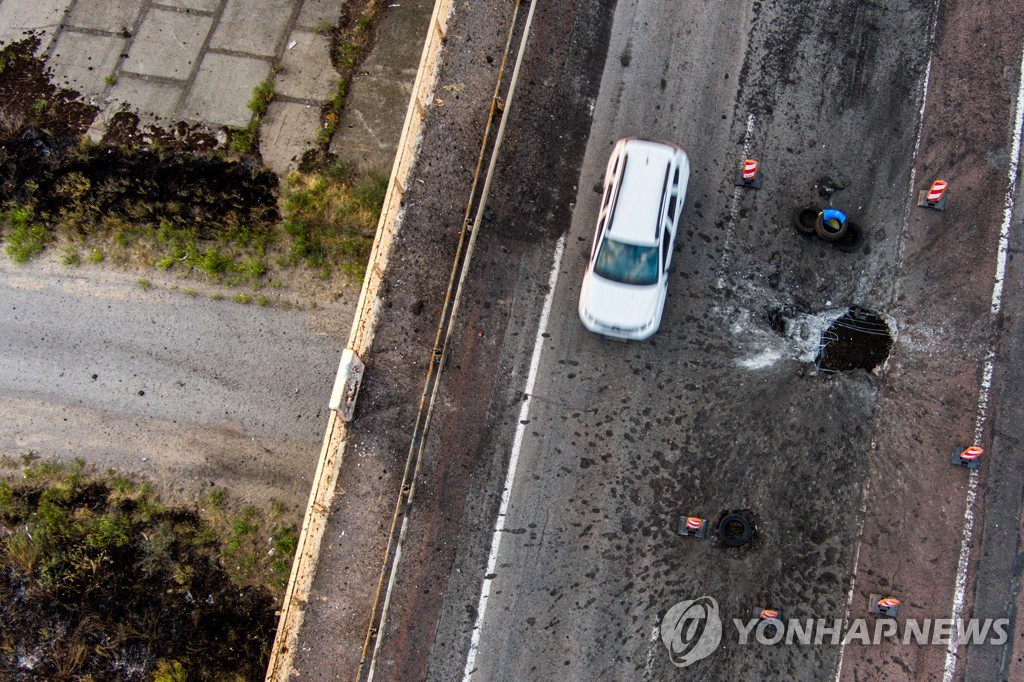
{"x": 95, "y": 255}
{"x": 190, "y": 292}
{"x": 69, "y": 257}
{"x": 25, "y": 238}
{"x": 142, "y": 283}
{"x": 331, "y": 217}
{"x": 244, "y": 299}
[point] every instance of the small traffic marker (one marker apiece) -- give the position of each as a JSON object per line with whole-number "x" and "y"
{"x": 934, "y": 197}
{"x": 885, "y": 607}
{"x": 968, "y": 457}
{"x": 693, "y": 526}
{"x": 750, "y": 175}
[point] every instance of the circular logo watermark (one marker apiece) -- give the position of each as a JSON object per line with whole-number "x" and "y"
{"x": 691, "y": 630}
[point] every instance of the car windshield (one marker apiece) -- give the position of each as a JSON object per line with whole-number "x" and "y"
{"x": 627, "y": 263}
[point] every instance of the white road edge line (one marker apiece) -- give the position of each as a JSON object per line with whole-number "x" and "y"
{"x": 513, "y": 462}
{"x": 900, "y": 257}
{"x": 986, "y": 381}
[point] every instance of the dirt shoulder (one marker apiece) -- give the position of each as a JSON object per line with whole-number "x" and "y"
{"x": 929, "y": 402}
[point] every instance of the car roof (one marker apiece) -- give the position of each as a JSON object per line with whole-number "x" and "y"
{"x": 638, "y": 204}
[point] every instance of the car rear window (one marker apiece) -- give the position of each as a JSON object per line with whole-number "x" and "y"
{"x": 627, "y": 263}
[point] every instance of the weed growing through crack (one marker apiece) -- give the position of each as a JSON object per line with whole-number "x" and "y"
{"x": 246, "y": 140}
{"x": 351, "y": 39}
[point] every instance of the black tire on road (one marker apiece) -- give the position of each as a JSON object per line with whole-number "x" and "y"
{"x": 804, "y": 218}
{"x": 827, "y": 232}
{"x": 729, "y": 537}
{"x": 852, "y": 240}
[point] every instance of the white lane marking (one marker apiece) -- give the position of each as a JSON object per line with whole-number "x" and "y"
{"x": 734, "y": 206}
{"x": 986, "y": 381}
{"x": 513, "y": 462}
{"x": 853, "y": 576}
{"x": 899, "y": 259}
{"x": 649, "y": 668}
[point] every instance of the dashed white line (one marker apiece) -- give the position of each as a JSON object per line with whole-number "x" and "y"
{"x": 986, "y": 381}
{"x": 510, "y": 476}
{"x": 651, "y": 650}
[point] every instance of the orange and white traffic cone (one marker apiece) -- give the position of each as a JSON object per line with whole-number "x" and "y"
{"x": 693, "y": 526}
{"x": 969, "y": 457}
{"x": 884, "y": 606}
{"x": 749, "y": 175}
{"x": 934, "y": 197}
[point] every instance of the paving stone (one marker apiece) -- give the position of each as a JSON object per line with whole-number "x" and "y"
{"x": 223, "y": 88}
{"x": 286, "y": 132}
{"x": 154, "y": 101}
{"x": 400, "y": 39}
{"x": 105, "y": 15}
{"x": 252, "y": 26}
{"x": 83, "y": 61}
{"x": 18, "y": 17}
{"x": 194, "y": 5}
{"x": 319, "y": 14}
{"x": 368, "y": 132}
{"x": 168, "y": 44}
{"x": 307, "y": 71}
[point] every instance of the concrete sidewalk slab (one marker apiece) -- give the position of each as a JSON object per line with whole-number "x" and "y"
{"x": 168, "y": 44}
{"x": 370, "y": 126}
{"x": 84, "y": 61}
{"x": 253, "y": 26}
{"x": 319, "y": 15}
{"x": 17, "y": 17}
{"x": 379, "y": 95}
{"x": 394, "y": 53}
{"x": 154, "y": 101}
{"x": 306, "y": 68}
{"x": 105, "y": 15}
{"x": 287, "y": 131}
{"x": 210, "y": 6}
{"x": 223, "y": 89}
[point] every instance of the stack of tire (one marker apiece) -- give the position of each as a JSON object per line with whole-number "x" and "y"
{"x": 846, "y": 236}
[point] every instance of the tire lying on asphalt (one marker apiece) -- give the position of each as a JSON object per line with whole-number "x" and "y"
{"x": 852, "y": 240}
{"x": 735, "y": 530}
{"x": 804, "y": 218}
{"x": 828, "y": 232}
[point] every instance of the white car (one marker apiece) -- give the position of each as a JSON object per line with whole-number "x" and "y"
{"x": 624, "y": 288}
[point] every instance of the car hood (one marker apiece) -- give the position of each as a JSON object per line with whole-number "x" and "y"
{"x": 622, "y": 306}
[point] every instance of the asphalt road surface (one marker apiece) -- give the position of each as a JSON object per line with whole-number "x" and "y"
{"x": 185, "y": 390}
{"x": 599, "y": 446}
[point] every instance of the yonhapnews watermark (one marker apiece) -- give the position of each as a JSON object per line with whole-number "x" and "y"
{"x": 692, "y": 630}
